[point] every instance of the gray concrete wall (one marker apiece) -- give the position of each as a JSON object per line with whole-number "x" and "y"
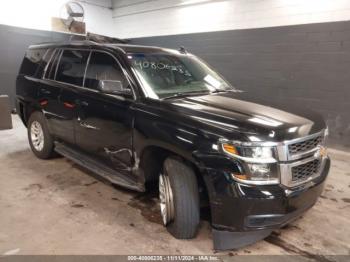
{"x": 13, "y": 43}
{"x": 308, "y": 64}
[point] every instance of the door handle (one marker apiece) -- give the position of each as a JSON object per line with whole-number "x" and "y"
{"x": 87, "y": 126}
{"x": 84, "y": 103}
{"x": 81, "y": 102}
{"x": 45, "y": 91}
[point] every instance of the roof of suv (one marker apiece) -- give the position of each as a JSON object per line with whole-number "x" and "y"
{"x": 126, "y": 48}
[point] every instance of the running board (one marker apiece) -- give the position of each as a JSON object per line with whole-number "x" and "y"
{"x": 96, "y": 167}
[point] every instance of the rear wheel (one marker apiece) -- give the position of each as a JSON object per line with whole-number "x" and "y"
{"x": 179, "y": 199}
{"x": 39, "y": 137}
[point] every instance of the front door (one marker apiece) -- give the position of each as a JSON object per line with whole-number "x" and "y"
{"x": 104, "y": 124}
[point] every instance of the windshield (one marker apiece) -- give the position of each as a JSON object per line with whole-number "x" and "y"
{"x": 167, "y": 75}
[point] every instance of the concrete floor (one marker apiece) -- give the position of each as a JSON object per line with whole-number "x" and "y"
{"x": 56, "y": 207}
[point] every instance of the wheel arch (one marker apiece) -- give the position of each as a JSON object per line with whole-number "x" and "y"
{"x": 25, "y": 109}
{"x": 154, "y": 153}
{"x": 153, "y": 156}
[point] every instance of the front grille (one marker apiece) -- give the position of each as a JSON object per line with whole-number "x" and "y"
{"x": 304, "y": 171}
{"x": 301, "y": 147}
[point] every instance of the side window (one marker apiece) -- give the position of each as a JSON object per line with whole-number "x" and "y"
{"x": 103, "y": 66}
{"x": 51, "y": 69}
{"x": 32, "y": 61}
{"x": 43, "y": 62}
{"x": 71, "y": 67}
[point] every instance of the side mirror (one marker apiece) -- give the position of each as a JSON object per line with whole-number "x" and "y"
{"x": 113, "y": 87}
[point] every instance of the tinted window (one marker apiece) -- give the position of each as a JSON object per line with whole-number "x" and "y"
{"x": 31, "y": 61}
{"x": 43, "y": 62}
{"x": 51, "y": 69}
{"x": 71, "y": 67}
{"x": 103, "y": 66}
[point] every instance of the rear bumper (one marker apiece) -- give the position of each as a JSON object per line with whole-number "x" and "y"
{"x": 242, "y": 214}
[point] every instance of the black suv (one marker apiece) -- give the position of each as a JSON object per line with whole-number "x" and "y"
{"x": 139, "y": 115}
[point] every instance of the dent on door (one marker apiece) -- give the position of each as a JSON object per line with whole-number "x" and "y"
{"x": 106, "y": 132}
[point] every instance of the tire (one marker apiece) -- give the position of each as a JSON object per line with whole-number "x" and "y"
{"x": 38, "y": 131}
{"x": 182, "y": 214}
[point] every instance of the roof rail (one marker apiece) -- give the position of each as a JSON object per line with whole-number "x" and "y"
{"x": 104, "y": 39}
{"x": 92, "y": 42}
{"x": 96, "y": 39}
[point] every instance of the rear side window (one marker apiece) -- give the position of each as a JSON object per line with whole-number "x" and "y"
{"x": 71, "y": 67}
{"x": 103, "y": 66}
{"x": 43, "y": 63}
{"x": 32, "y": 61}
{"x": 51, "y": 69}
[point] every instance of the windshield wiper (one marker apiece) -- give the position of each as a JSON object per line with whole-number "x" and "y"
{"x": 227, "y": 90}
{"x": 193, "y": 93}
{"x": 219, "y": 91}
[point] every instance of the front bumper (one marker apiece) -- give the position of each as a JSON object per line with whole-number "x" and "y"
{"x": 243, "y": 214}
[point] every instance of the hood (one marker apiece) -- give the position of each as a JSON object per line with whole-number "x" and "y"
{"x": 259, "y": 120}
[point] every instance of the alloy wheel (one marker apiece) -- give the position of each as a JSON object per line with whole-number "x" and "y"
{"x": 37, "y": 136}
{"x": 166, "y": 199}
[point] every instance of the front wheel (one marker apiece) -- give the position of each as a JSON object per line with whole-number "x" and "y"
{"x": 39, "y": 137}
{"x": 179, "y": 199}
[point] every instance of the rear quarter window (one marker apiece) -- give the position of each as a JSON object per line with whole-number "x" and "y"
{"x": 32, "y": 61}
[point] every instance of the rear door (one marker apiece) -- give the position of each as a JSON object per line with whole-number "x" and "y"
{"x": 69, "y": 77}
{"x": 49, "y": 92}
{"x": 104, "y": 126}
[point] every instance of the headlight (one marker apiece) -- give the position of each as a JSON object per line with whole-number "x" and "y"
{"x": 252, "y": 154}
{"x": 258, "y": 174}
{"x": 258, "y": 163}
